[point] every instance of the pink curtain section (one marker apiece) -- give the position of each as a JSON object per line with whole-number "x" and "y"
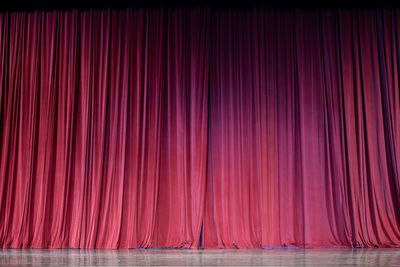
{"x": 104, "y": 128}
{"x": 200, "y": 128}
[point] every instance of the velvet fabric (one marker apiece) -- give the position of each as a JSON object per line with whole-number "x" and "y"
{"x": 200, "y": 128}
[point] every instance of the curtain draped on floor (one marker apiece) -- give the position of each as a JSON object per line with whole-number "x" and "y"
{"x": 200, "y": 128}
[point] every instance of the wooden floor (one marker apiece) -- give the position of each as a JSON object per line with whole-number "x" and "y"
{"x": 202, "y": 257}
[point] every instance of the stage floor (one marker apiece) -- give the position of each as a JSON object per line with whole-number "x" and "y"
{"x": 202, "y": 257}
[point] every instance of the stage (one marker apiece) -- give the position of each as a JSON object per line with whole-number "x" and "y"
{"x": 198, "y": 127}
{"x": 201, "y": 257}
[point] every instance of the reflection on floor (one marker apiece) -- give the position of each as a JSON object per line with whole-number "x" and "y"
{"x": 201, "y": 257}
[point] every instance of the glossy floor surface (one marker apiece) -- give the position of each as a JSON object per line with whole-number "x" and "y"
{"x": 206, "y": 257}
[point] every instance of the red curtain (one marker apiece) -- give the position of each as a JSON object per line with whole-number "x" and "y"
{"x": 200, "y": 128}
